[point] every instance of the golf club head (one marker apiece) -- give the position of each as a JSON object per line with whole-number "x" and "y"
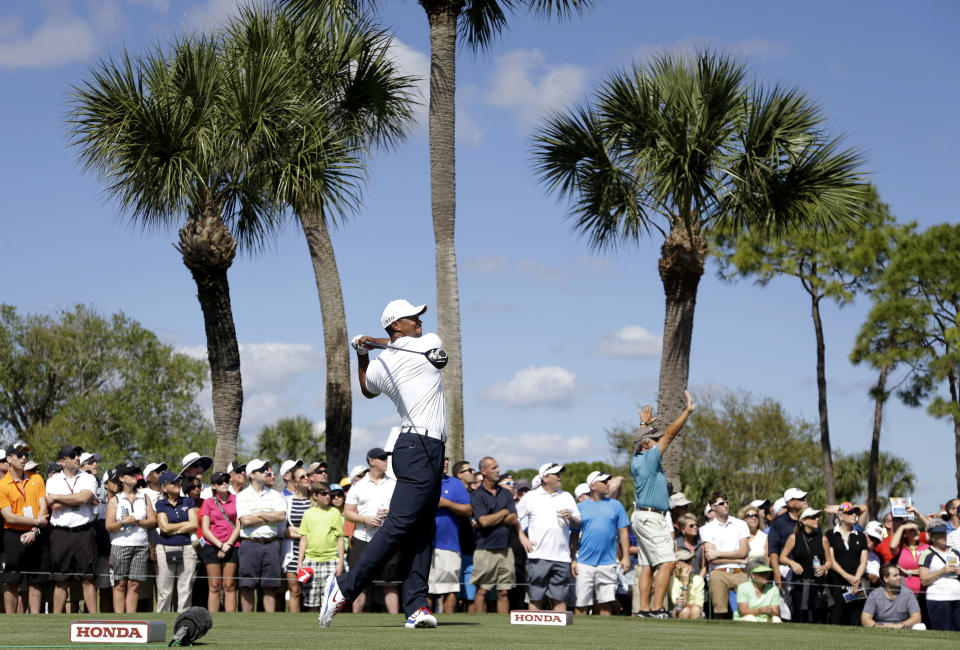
{"x": 437, "y": 357}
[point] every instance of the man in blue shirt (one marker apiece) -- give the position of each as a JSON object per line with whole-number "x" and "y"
{"x": 651, "y": 517}
{"x": 495, "y": 513}
{"x": 603, "y": 522}
{"x": 454, "y": 505}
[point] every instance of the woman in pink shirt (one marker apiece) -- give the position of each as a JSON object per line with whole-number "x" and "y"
{"x": 218, "y": 521}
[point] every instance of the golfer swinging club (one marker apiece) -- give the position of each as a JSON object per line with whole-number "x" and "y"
{"x": 413, "y": 383}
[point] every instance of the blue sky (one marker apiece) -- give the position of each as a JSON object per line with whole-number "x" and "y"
{"x": 541, "y": 312}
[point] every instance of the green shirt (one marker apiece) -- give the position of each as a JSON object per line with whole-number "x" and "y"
{"x": 321, "y": 528}
{"x": 747, "y": 594}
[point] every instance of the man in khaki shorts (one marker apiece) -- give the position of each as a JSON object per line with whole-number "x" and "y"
{"x": 493, "y": 563}
{"x": 651, "y": 517}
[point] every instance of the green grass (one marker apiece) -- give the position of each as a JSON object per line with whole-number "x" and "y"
{"x": 383, "y": 631}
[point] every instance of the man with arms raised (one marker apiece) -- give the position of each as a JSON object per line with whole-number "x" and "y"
{"x": 71, "y": 496}
{"x": 651, "y": 517}
{"x": 413, "y": 384}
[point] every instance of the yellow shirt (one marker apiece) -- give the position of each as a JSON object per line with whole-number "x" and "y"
{"x": 18, "y": 494}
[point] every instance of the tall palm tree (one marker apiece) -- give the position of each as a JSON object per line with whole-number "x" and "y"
{"x": 683, "y": 146}
{"x": 175, "y": 136}
{"x": 478, "y": 23}
{"x": 360, "y": 102}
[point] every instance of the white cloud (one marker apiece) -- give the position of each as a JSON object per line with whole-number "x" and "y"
{"x": 524, "y": 82}
{"x": 211, "y": 15}
{"x": 269, "y": 371}
{"x": 632, "y": 341}
{"x": 487, "y": 264}
{"x": 533, "y": 449}
{"x": 536, "y": 386}
{"x": 61, "y": 38}
{"x": 543, "y": 273}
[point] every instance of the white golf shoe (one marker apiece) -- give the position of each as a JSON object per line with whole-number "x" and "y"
{"x": 421, "y": 618}
{"x": 333, "y": 602}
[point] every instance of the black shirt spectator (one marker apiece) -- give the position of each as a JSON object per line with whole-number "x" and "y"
{"x": 484, "y": 503}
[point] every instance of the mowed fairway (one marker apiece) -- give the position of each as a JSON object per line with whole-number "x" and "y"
{"x": 383, "y": 631}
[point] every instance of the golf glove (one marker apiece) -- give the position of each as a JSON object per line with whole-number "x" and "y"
{"x": 355, "y": 342}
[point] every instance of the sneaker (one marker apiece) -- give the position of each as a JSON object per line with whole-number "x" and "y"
{"x": 421, "y": 618}
{"x": 658, "y": 613}
{"x": 643, "y": 613}
{"x": 333, "y": 602}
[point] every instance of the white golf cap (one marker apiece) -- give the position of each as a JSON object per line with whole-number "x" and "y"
{"x": 678, "y": 500}
{"x": 875, "y": 529}
{"x": 794, "y": 493}
{"x": 549, "y": 468}
{"x": 87, "y": 456}
{"x": 154, "y": 467}
{"x": 397, "y": 309}
{"x": 779, "y": 505}
{"x": 581, "y": 489}
{"x": 593, "y": 477}
{"x": 31, "y": 465}
{"x": 535, "y": 483}
{"x": 358, "y": 471}
{"x": 257, "y": 465}
{"x": 809, "y": 512}
{"x": 760, "y": 503}
{"x": 289, "y": 465}
{"x": 236, "y": 466}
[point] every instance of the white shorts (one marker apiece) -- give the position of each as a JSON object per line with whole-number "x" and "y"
{"x": 596, "y": 584}
{"x": 444, "y": 572}
{"x": 654, "y": 532}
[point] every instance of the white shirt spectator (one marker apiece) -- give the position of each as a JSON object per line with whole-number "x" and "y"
{"x": 873, "y": 564}
{"x": 72, "y": 516}
{"x": 130, "y": 535}
{"x": 725, "y": 538}
{"x": 411, "y": 383}
{"x": 370, "y": 496}
{"x": 953, "y": 538}
{"x": 537, "y": 512}
{"x": 250, "y": 502}
{"x": 946, "y": 587}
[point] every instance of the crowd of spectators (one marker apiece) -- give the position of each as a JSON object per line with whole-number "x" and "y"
{"x": 136, "y": 539}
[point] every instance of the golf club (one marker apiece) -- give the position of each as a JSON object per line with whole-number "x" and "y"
{"x": 436, "y": 356}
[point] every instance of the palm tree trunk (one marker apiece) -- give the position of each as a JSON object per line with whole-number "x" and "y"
{"x": 442, "y": 17}
{"x": 681, "y": 267}
{"x": 873, "y": 470}
{"x": 829, "y": 482}
{"x": 338, "y": 396}
{"x": 223, "y": 353}
{"x": 208, "y": 250}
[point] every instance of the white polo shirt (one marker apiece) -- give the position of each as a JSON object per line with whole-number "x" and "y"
{"x": 412, "y": 383}
{"x": 537, "y": 512}
{"x": 370, "y": 496}
{"x": 250, "y": 502}
{"x": 72, "y": 516}
{"x": 725, "y": 537}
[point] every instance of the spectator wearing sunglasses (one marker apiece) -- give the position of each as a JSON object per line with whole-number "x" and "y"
{"x": 726, "y": 546}
{"x": 261, "y": 512}
{"x": 453, "y": 507}
{"x": 218, "y": 522}
{"x": 177, "y": 520}
{"x": 604, "y": 524}
{"x": 321, "y": 550}
{"x": 757, "y": 544}
{"x": 71, "y": 497}
{"x": 23, "y": 504}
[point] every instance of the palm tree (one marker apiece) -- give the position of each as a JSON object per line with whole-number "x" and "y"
{"x": 359, "y": 102}
{"x": 478, "y": 22}
{"x": 684, "y": 146}
{"x": 175, "y": 136}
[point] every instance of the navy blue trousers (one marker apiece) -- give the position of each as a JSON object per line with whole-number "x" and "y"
{"x": 410, "y": 525}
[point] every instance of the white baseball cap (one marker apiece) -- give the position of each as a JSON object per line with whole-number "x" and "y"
{"x": 88, "y": 456}
{"x": 549, "y": 468}
{"x": 289, "y": 465}
{"x": 875, "y": 529}
{"x": 581, "y": 489}
{"x": 679, "y": 499}
{"x": 535, "y": 483}
{"x": 358, "y": 471}
{"x": 397, "y": 309}
{"x": 257, "y": 465}
{"x": 154, "y": 467}
{"x": 779, "y": 505}
{"x": 596, "y": 476}
{"x": 760, "y": 503}
{"x": 794, "y": 493}
{"x": 809, "y": 512}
